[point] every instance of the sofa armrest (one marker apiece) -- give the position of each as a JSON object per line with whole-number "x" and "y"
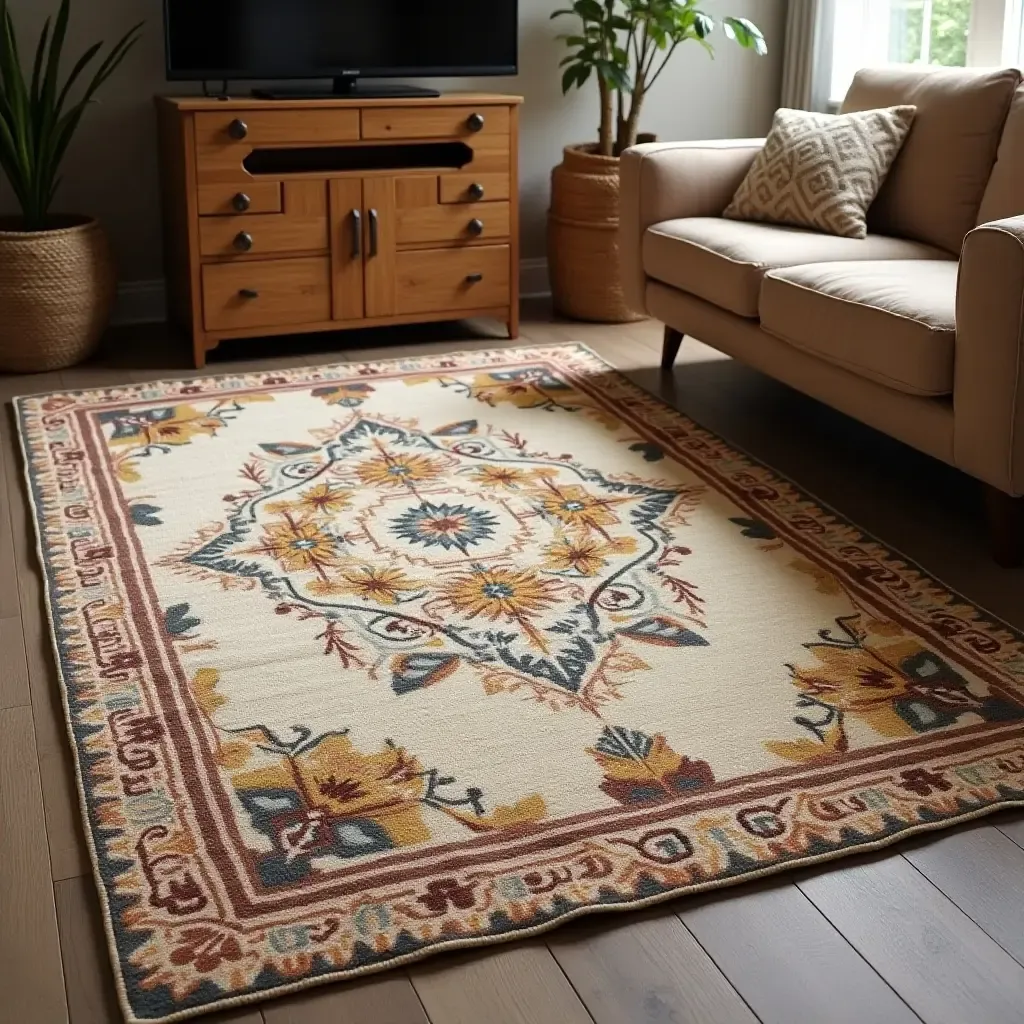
{"x": 665, "y": 180}
{"x": 988, "y": 390}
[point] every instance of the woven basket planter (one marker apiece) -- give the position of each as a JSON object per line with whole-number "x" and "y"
{"x": 57, "y": 292}
{"x": 583, "y": 243}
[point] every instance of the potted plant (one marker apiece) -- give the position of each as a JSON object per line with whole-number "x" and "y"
{"x": 624, "y": 45}
{"x": 57, "y": 280}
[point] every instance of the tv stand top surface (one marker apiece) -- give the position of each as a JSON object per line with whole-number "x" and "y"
{"x": 244, "y": 102}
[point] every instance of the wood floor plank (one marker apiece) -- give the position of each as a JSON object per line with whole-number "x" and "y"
{"x": 1013, "y": 830}
{"x": 647, "y": 970}
{"x": 92, "y": 997}
{"x": 941, "y": 963}
{"x": 787, "y": 961}
{"x": 68, "y": 857}
{"x": 10, "y": 604}
{"x": 13, "y": 668}
{"x": 244, "y": 1015}
{"x": 389, "y": 999}
{"x": 520, "y": 984}
{"x": 982, "y": 872}
{"x": 32, "y": 990}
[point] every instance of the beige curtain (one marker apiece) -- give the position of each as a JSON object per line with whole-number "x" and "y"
{"x": 807, "y": 56}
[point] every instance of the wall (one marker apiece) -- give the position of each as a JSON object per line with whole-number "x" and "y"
{"x": 111, "y": 169}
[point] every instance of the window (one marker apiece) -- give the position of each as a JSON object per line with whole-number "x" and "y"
{"x": 949, "y": 33}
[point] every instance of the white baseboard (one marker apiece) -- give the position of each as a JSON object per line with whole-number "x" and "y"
{"x": 145, "y": 302}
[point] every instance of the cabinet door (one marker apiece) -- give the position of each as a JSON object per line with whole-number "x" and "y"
{"x": 381, "y": 209}
{"x": 347, "y": 248}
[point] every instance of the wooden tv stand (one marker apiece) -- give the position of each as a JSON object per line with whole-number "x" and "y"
{"x": 291, "y": 216}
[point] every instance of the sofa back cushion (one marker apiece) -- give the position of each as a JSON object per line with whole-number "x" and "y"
{"x": 934, "y": 190}
{"x": 1004, "y": 196}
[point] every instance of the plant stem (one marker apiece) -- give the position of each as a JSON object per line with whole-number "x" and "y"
{"x": 607, "y": 111}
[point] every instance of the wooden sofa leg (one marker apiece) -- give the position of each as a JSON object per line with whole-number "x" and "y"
{"x": 1005, "y": 527}
{"x": 673, "y": 339}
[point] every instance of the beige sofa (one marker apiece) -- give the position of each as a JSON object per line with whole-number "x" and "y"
{"x": 917, "y": 329}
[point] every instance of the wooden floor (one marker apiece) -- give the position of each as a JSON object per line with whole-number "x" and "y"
{"x": 933, "y": 931}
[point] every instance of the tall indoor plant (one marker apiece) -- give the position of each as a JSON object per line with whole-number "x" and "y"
{"x": 624, "y": 46}
{"x": 56, "y": 274}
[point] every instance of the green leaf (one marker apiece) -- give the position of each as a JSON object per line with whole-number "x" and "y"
{"x": 746, "y": 33}
{"x": 589, "y": 10}
{"x": 35, "y": 130}
{"x": 703, "y": 24}
{"x": 37, "y": 70}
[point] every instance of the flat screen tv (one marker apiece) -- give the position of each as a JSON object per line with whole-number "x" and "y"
{"x": 339, "y": 39}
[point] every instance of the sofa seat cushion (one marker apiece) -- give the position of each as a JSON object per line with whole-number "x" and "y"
{"x": 723, "y": 261}
{"x": 891, "y": 321}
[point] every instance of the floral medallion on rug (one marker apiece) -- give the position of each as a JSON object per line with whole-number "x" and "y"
{"x": 366, "y": 662}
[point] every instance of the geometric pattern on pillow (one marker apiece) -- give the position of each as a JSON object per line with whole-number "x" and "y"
{"x": 822, "y": 170}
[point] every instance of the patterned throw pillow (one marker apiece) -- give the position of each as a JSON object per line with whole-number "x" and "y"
{"x": 822, "y": 170}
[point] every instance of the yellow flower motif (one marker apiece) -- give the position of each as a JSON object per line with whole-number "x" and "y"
{"x": 388, "y": 470}
{"x": 300, "y": 546}
{"x": 585, "y": 554}
{"x": 575, "y": 506}
{"x": 322, "y": 500}
{"x": 527, "y": 811}
{"x": 523, "y": 392}
{"x": 368, "y": 583}
{"x": 387, "y": 787}
{"x": 186, "y": 423}
{"x": 501, "y": 593}
{"x": 506, "y": 477}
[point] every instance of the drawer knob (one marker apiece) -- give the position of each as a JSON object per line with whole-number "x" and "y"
{"x": 475, "y": 226}
{"x": 241, "y": 202}
{"x": 474, "y": 278}
{"x": 475, "y": 122}
{"x": 243, "y": 241}
{"x": 248, "y": 293}
{"x": 238, "y": 129}
{"x": 476, "y": 191}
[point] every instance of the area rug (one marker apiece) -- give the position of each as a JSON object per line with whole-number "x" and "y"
{"x": 368, "y": 662}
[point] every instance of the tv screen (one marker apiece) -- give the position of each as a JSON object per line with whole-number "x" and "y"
{"x": 246, "y": 39}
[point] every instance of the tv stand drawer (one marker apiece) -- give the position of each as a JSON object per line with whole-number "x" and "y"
{"x": 244, "y": 198}
{"x": 459, "y": 188}
{"x": 433, "y": 280}
{"x": 266, "y": 293}
{"x": 435, "y": 122}
{"x": 275, "y": 128}
{"x": 470, "y": 222}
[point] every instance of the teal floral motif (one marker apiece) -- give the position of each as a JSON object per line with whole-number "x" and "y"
{"x": 444, "y": 525}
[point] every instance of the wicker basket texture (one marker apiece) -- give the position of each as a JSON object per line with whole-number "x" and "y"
{"x": 57, "y": 292}
{"x": 583, "y": 247}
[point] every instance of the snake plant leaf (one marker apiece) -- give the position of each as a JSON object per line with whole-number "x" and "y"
{"x": 37, "y": 118}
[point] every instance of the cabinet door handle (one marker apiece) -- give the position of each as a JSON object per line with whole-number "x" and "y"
{"x": 475, "y": 227}
{"x": 374, "y": 232}
{"x": 474, "y": 278}
{"x": 244, "y": 241}
{"x": 357, "y": 234}
{"x": 248, "y": 293}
